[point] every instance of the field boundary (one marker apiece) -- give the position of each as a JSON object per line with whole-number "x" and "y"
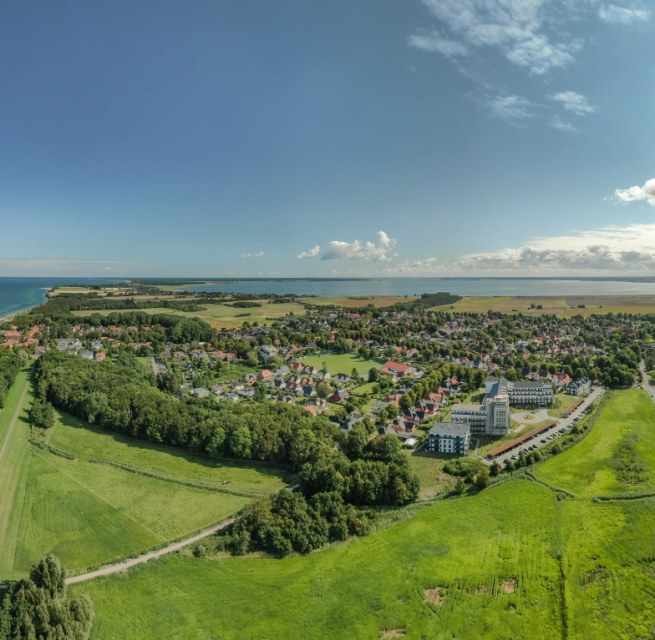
{"x": 624, "y": 496}
{"x": 53, "y": 450}
{"x": 180, "y": 481}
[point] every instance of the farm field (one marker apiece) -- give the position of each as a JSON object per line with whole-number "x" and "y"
{"x": 342, "y": 363}
{"x": 220, "y": 315}
{"x": 14, "y": 470}
{"x": 447, "y": 550}
{"x": 343, "y": 301}
{"x": 593, "y": 466}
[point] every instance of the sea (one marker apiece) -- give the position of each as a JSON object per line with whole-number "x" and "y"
{"x": 17, "y": 294}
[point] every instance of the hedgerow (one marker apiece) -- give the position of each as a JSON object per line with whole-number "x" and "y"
{"x": 53, "y": 450}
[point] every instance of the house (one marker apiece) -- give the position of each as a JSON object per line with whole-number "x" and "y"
{"x": 310, "y": 370}
{"x": 340, "y": 395}
{"x": 297, "y": 366}
{"x": 218, "y": 388}
{"x": 393, "y": 397}
{"x": 279, "y": 383}
{"x": 249, "y": 377}
{"x": 87, "y": 355}
{"x": 391, "y": 368}
{"x": 308, "y": 391}
{"x": 200, "y": 393}
{"x": 267, "y": 351}
{"x": 265, "y": 374}
{"x": 100, "y": 356}
{"x": 231, "y": 396}
{"x": 342, "y": 378}
{"x": 248, "y": 392}
{"x": 322, "y": 406}
{"x": 578, "y": 387}
{"x": 283, "y": 371}
{"x": 96, "y": 344}
{"x": 561, "y": 379}
{"x": 323, "y": 375}
{"x": 288, "y": 400}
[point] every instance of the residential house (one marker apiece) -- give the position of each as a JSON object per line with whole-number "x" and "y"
{"x": 200, "y": 393}
{"x": 341, "y": 395}
{"x": 322, "y": 375}
{"x": 100, "y": 356}
{"x": 87, "y": 355}
{"x": 267, "y": 351}
{"x": 391, "y": 368}
{"x": 231, "y": 396}
{"x": 341, "y": 378}
{"x": 218, "y": 388}
{"x": 249, "y": 377}
{"x": 579, "y": 386}
{"x": 265, "y": 374}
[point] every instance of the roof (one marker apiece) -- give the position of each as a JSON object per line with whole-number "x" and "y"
{"x": 450, "y": 429}
{"x": 397, "y": 367}
{"x": 523, "y": 438}
{"x": 573, "y": 406}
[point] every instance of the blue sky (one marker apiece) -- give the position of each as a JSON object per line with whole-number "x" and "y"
{"x": 307, "y": 138}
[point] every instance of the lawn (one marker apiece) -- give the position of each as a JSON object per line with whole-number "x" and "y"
{"x": 342, "y": 363}
{"x": 221, "y": 316}
{"x": 365, "y": 388}
{"x": 493, "y": 558}
{"x": 562, "y": 403}
{"x": 591, "y": 467}
{"x": 14, "y": 471}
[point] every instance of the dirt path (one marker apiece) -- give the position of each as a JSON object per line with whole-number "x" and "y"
{"x": 124, "y": 566}
{"x": 11, "y": 426}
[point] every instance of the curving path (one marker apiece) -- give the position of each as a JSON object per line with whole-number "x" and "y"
{"x": 122, "y": 567}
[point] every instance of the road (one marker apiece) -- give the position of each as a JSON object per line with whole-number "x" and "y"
{"x": 124, "y": 566}
{"x": 561, "y": 423}
{"x": 646, "y": 382}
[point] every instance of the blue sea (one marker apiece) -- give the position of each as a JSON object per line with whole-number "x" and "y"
{"x": 17, "y": 294}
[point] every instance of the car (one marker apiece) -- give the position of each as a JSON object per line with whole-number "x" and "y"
{"x": 514, "y": 458}
{"x": 543, "y": 441}
{"x": 533, "y": 412}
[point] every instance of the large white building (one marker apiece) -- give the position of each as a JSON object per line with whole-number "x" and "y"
{"x": 450, "y": 437}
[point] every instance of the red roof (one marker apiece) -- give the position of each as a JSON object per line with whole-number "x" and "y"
{"x": 397, "y": 367}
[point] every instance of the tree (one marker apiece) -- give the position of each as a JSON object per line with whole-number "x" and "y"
{"x": 373, "y": 375}
{"x": 460, "y": 487}
{"x": 482, "y": 479}
{"x": 354, "y": 373}
{"x": 42, "y": 414}
{"x": 322, "y": 390}
{"x": 494, "y": 470}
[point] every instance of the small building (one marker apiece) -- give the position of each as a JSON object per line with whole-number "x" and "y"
{"x": 265, "y": 374}
{"x": 200, "y": 393}
{"x": 579, "y": 386}
{"x": 87, "y": 355}
{"x": 450, "y": 437}
{"x": 267, "y": 351}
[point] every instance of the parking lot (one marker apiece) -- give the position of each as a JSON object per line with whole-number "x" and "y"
{"x": 544, "y": 438}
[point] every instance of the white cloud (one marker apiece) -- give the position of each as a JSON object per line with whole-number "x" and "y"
{"x": 608, "y": 250}
{"x": 510, "y": 108}
{"x": 517, "y": 27}
{"x": 358, "y": 251}
{"x": 434, "y": 41}
{"x": 246, "y": 255}
{"x": 556, "y": 123}
{"x": 647, "y": 192}
{"x": 250, "y": 255}
{"x": 107, "y": 268}
{"x": 575, "y": 102}
{"x": 309, "y": 254}
{"x": 620, "y": 15}
{"x": 260, "y": 254}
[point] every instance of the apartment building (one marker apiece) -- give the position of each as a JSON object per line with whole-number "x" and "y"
{"x": 450, "y": 437}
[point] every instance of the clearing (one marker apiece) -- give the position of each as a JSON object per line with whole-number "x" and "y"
{"x": 342, "y": 363}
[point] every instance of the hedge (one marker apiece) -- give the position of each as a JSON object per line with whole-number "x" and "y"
{"x": 53, "y": 450}
{"x": 623, "y": 496}
{"x": 182, "y": 481}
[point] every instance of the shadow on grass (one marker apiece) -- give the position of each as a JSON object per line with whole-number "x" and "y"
{"x": 266, "y": 468}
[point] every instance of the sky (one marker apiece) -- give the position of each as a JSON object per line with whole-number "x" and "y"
{"x": 346, "y": 138}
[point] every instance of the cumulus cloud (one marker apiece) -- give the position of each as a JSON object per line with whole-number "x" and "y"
{"x": 361, "y": 251}
{"x": 556, "y": 123}
{"x": 260, "y": 254}
{"x": 620, "y": 15}
{"x": 250, "y": 255}
{"x": 647, "y": 192}
{"x": 575, "y": 102}
{"x": 608, "y": 250}
{"x": 517, "y": 27}
{"x": 309, "y": 254}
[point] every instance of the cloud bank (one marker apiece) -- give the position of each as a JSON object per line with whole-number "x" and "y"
{"x": 620, "y": 15}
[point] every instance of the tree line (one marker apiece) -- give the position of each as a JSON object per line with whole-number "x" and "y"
{"x": 10, "y": 365}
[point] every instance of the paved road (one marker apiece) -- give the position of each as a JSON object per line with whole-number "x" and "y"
{"x": 11, "y": 426}
{"x": 124, "y": 566}
{"x": 596, "y": 393}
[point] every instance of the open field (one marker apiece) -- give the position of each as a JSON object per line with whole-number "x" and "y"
{"x": 361, "y": 589}
{"x": 364, "y": 388}
{"x": 559, "y": 306}
{"x": 593, "y": 466}
{"x": 342, "y": 363}
{"x": 344, "y": 301}
{"x": 90, "y": 514}
{"x": 562, "y": 402}
{"x": 220, "y": 315}
{"x": 14, "y": 471}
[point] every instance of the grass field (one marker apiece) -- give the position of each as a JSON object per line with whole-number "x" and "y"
{"x": 562, "y": 402}
{"x": 14, "y": 471}
{"x": 590, "y": 468}
{"x": 376, "y": 301}
{"x": 428, "y": 466}
{"x": 364, "y": 388}
{"x": 220, "y": 315}
{"x": 342, "y": 363}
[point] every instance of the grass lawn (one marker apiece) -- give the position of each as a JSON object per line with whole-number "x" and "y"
{"x": 342, "y": 363}
{"x": 428, "y": 466}
{"x": 500, "y": 545}
{"x": 589, "y": 468}
{"x": 14, "y": 471}
{"x": 365, "y": 388}
{"x": 234, "y": 371}
{"x": 221, "y": 316}
{"x": 562, "y": 402}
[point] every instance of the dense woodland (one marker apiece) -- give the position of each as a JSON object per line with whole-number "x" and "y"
{"x": 10, "y": 364}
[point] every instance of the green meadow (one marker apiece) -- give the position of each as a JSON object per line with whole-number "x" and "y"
{"x": 342, "y": 363}
{"x": 514, "y": 561}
